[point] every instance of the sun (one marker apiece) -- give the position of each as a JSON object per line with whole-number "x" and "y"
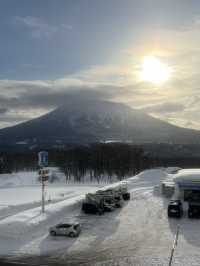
{"x": 153, "y": 70}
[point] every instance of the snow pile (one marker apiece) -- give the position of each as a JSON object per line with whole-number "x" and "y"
{"x": 153, "y": 174}
{"x": 172, "y": 170}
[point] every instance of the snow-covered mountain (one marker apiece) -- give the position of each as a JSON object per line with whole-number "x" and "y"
{"x": 91, "y": 120}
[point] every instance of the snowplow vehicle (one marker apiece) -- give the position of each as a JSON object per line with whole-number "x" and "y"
{"x": 124, "y": 191}
{"x": 91, "y": 208}
{"x": 105, "y": 200}
{"x": 93, "y": 204}
{"x": 98, "y": 203}
{"x": 111, "y": 197}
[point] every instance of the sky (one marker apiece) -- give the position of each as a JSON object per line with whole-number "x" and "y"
{"x": 50, "y": 50}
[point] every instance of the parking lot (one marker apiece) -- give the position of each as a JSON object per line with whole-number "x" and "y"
{"x": 139, "y": 233}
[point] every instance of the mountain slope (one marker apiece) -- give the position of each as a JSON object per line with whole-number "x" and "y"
{"x": 90, "y": 121}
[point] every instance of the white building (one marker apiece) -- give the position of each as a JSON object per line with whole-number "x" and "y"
{"x": 187, "y": 184}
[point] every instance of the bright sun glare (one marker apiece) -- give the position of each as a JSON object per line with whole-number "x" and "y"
{"x": 154, "y": 70}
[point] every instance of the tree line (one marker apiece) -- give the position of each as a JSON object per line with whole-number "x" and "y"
{"x": 95, "y": 162}
{"x": 103, "y": 160}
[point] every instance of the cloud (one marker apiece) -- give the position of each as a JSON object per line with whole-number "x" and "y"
{"x": 167, "y": 107}
{"x": 54, "y": 93}
{"x": 3, "y": 110}
{"x": 39, "y": 27}
{"x": 28, "y": 99}
{"x": 24, "y": 100}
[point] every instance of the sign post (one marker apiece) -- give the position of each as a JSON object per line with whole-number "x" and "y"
{"x": 43, "y": 159}
{"x": 43, "y": 173}
{"x": 43, "y": 199}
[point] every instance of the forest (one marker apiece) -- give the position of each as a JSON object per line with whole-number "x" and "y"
{"x": 98, "y": 161}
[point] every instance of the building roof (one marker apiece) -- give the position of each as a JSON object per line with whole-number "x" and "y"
{"x": 187, "y": 175}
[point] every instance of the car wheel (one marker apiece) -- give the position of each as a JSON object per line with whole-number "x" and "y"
{"x": 53, "y": 233}
{"x": 72, "y": 234}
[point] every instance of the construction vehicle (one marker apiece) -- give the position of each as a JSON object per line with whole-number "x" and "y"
{"x": 93, "y": 204}
{"x": 105, "y": 200}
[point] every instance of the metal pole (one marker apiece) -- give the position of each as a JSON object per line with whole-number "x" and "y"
{"x": 174, "y": 245}
{"x": 43, "y": 200}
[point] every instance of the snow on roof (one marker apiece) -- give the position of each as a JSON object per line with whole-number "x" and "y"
{"x": 185, "y": 175}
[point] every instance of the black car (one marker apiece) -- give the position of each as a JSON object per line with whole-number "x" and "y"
{"x": 194, "y": 210}
{"x": 175, "y": 209}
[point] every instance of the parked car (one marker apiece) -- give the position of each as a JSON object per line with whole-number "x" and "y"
{"x": 194, "y": 210}
{"x": 175, "y": 209}
{"x": 92, "y": 208}
{"x": 65, "y": 229}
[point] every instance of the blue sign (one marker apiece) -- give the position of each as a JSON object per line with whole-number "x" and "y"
{"x": 43, "y": 158}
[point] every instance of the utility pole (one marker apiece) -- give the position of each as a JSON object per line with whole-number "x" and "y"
{"x": 43, "y": 197}
{"x": 43, "y": 174}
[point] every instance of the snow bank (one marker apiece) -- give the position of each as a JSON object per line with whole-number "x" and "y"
{"x": 150, "y": 174}
{"x": 153, "y": 174}
{"x": 172, "y": 170}
{"x": 26, "y": 221}
{"x": 29, "y": 178}
{"x": 19, "y": 179}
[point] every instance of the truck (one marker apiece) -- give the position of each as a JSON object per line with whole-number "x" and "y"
{"x": 105, "y": 200}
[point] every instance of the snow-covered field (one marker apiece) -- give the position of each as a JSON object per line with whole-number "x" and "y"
{"x": 21, "y": 191}
{"x": 137, "y": 234}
